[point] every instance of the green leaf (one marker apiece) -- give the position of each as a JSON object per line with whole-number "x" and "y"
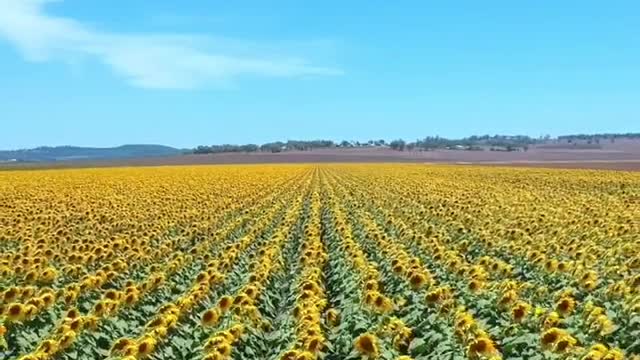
{"x": 102, "y": 352}
{"x": 417, "y": 347}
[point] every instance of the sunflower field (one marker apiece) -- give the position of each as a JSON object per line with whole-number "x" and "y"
{"x": 304, "y": 262}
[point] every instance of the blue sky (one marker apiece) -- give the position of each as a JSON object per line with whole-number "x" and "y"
{"x": 103, "y": 73}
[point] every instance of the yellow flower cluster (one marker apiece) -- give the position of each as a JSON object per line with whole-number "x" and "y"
{"x": 433, "y": 262}
{"x": 311, "y": 296}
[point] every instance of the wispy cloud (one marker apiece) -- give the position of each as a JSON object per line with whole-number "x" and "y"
{"x": 157, "y": 61}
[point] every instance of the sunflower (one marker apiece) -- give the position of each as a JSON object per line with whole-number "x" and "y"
{"x": 433, "y": 296}
{"x": 48, "y": 299}
{"x": 305, "y": 355}
{"x": 131, "y": 298}
{"x": 382, "y": 303}
{"x": 223, "y": 349}
{"x": 112, "y": 295}
{"x": 367, "y": 345}
{"x": 225, "y": 303}
{"x": 398, "y": 269}
{"x": 417, "y": 280}
{"x": 563, "y": 266}
{"x": 314, "y": 344}
{"x": 603, "y": 325}
{"x": 146, "y": 346}
{"x": 11, "y": 294}
{"x": 120, "y": 345}
{"x": 550, "y": 337}
{"x": 157, "y": 322}
{"x": 565, "y": 343}
{"x": 76, "y": 324}
{"x": 48, "y": 347}
{"x": 159, "y": 332}
{"x": 30, "y": 312}
{"x": 395, "y": 325}
{"x": 236, "y": 330}
{"x": 213, "y": 342}
{"x": 251, "y": 291}
{"x": 31, "y": 277}
{"x": 565, "y": 305}
{"x": 333, "y": 317}
{"x": 551, "y": 265}
{"x": 371, "y": 285}
{"x": 599, "y": 347}
{"x": 520, "y": 311}
{"x": 508, "y": 298}
{"x": 90, "y": 322}
{"x": 289, "y": 355}
{"x": 593, "y": 355}
{"x": 614, "y": 354}
{"x": 464, "y": 321}
{"x": 253, "y": 313}
{"x": 15, "y": 312}
{"x": 402, "y": 339}
{"x": 202, "y": 277}
{"x": 72, "y": 313}
{"x": 67, "y": 339}
{"x": 481, "y": 346}
{"x": 227, "y": 336}
{"x": 170, "y": 320}
{"x": 588, "y": 276}
{"x": 589, "y": 285}
{"x": 48, "y": 275}
{"x": 447, "y": 306}
{"x": 551, "y": 320}
{"x": 475, "y": 286}
{"x": 210, "y": 317}
{"x": 29, "y": 357}
{"x": 368, "y": 298}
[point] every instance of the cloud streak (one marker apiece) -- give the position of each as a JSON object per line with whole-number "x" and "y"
{"x": 154, "y": 61}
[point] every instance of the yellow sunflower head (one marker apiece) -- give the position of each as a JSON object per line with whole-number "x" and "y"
{"x": 210, "y": 317}
{"x": 145, "y": 346}
{"x": 367, "y": 344}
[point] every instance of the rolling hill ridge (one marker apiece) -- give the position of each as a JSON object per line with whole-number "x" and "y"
{"x": 68, "y": 153}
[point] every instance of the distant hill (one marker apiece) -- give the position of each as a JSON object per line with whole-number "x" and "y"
{"x": 68, "y": 153}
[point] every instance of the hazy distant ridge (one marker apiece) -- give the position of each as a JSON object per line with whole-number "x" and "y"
{"x": 62, "y": 153}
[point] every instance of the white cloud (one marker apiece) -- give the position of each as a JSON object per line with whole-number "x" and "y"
{"x": 157, "y": 61}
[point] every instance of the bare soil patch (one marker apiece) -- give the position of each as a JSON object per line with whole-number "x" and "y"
{"x": 625, "y": 156}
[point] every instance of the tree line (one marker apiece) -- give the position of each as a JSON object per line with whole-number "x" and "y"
{"x": 597, "y": 137}
{"x": 274, "y": 147}
{"x": 475, "y": 142}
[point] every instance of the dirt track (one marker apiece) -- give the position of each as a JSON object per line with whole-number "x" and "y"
{"x": 611, "y": 159}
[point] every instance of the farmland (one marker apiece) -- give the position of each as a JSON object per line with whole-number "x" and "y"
{"x": 319, "y": 261}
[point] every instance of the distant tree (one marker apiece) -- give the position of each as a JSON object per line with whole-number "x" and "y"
{"x": 398, "y": 144}
{"x": 494, "y": 142}
{"x": 250, "y": 148}
{"x": 273, "y": 147}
